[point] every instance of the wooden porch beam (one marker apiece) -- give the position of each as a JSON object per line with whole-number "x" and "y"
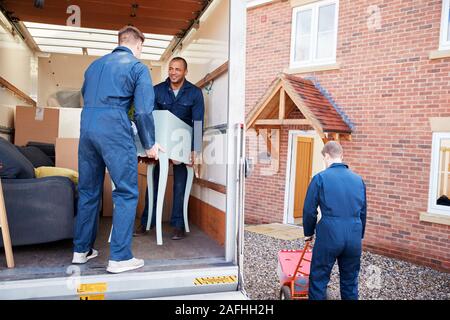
{"x": 345, "y": 137}
{"x": 283, "y": 122}
{"x": 330, "y": 136}
{"x": 282, "y": 107}
{"x": 335, "y": 136}
{"x": 260, "y": 108}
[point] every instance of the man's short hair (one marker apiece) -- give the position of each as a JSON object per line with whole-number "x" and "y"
{"x": 130, "y": 34}
{"x": 333, "y": 148}
{"x": 180, "y": 59}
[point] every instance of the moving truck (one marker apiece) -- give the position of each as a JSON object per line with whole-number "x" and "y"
{"x": 45, "y": 47}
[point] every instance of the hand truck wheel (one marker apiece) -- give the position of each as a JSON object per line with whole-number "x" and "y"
{"x": 285, "y": 293}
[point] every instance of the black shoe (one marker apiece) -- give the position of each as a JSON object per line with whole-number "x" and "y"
{"x": 178, "y": 234}
{"x": 140, "y": 231}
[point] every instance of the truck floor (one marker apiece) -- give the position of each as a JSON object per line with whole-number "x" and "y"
{"x": 54, "y": 259}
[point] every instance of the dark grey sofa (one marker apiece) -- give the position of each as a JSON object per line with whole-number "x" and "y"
{"x": 39, "y": 210}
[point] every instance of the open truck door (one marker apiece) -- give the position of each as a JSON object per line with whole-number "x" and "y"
{"x": 51, "y": 47}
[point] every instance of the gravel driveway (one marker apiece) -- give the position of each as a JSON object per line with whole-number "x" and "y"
{"x": 380, "y": 277}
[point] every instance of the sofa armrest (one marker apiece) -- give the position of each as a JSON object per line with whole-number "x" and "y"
{"x": 39, "y": 210}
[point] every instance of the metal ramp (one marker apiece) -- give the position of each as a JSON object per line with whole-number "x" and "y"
{"x": 137, "y": 285}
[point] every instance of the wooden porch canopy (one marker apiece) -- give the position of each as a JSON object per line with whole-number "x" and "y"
{"x": 288, "y": 93}
{"x": 173, "y": 17}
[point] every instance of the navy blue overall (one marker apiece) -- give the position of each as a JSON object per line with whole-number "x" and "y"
{"x": 341, "y": 196}
{"x": 111, "y": 84}
{"x": 188, "y": 106}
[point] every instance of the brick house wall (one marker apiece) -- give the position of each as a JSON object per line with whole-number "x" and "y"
{"x": 388, "y": 87}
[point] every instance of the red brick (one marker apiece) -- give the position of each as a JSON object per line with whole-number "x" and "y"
{"x": 389, "y": 88}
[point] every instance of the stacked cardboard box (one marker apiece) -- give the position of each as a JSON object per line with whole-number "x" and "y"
{"x": 46, "y": 124}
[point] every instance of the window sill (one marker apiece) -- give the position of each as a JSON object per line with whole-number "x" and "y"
{"x": 307, "y": 69}
{"x": 297, "y": 3}
{"x": 439, "y": 54}
{"x": 435, "y": 218}
{"x": 440, "y": 124}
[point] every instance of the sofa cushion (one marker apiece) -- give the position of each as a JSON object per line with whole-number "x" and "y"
{"x": 13, "y": 164}
{"x": 47, "y": 148}
{"x": 42, "y": 172}
{"x": 36, "y": 156}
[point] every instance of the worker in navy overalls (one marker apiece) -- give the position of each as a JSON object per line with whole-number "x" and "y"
{"x": 341, "y": 196}
{"x": 185, "y": 101}
{"x": 111, "y": 84}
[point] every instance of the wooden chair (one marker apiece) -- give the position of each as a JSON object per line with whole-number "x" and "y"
{"x": 5, "y": 231}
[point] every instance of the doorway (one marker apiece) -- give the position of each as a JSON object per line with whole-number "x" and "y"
{"x": 303, "y": 162}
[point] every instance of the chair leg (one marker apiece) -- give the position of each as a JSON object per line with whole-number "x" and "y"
{"x": 5, "y": 231}
{"x": 110, "y": 233}
{"x": 163, "y": 174}
{"x": 187, "y": 192}
{"x": 150, "y": 172}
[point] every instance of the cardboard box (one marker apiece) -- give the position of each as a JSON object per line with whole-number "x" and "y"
{"x": 66, "y": 156}
{"x": 142, "y": 185}
{"x": 33, "y": 125}
{"x": 107, "y": 197}
{"x": 66, "y": 153}
{"x": 46, "y": 124}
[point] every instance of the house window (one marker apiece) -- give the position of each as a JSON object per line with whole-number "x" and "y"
{"x": 314, "y": 34}
{"x": 445, "y": 30}
{"x": 439, "y": 194}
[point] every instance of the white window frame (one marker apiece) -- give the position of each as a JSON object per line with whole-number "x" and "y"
{"x": 434, "y": 175}
{"x": 444, "y": 44}
{"x": 314, "y": 33}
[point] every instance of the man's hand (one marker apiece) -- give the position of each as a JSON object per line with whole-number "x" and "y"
{"x": 196, "y": 158}
{"x": 194, "y": 163}
{"x": 153, "y": 152}
{"x": 309, "y": 239}
{"x": 192, "y": 159}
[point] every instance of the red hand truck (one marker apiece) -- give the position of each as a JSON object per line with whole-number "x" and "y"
{"x": 293, "y": 272}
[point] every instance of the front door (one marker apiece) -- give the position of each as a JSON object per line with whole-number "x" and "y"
{"x": 303, "y": 172}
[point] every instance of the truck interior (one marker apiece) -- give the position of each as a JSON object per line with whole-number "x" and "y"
{"x": 45, "y": 47}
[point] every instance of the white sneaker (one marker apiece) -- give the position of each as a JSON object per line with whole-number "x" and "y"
{"x": 126, "y": 265}
{"x": 83, "y": 257}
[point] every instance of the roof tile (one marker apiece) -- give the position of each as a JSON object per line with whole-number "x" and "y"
{"x": 318, "y": 104}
